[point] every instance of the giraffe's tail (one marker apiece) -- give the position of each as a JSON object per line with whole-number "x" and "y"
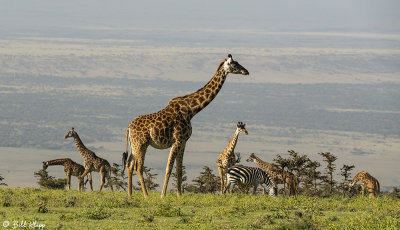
{"x": 125, "y": 154}
{"x": 124, "y": 159}
{"x": 378, "y": 187}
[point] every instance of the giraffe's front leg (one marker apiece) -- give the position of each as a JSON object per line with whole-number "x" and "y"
{"x": 176, "y": 148}
{"x": 69, "y": 180}
{"x": 103, "y": 177}
{"x": 82, "y": 176}
{"x": 80, "y": 183}
{"x": 179, "y": 161}
{"x": 221, "y": 176}
{"x": 90, "y": 180}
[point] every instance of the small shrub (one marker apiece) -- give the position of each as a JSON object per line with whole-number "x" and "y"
{"x": 70, "y": 201}
{"x": 184, "y": 220}
{"x": 168, "y": 211}
{"x": 43, "y": 208}
{"x": 6, "y": 204}
{"x": 298, "y": 224}
{"x": 148, "y": 216}
{"x": 97, "y": 213}
{"x": 263, "y": 220}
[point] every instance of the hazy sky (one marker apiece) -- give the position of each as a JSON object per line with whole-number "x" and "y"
{"x": 305, "y": 15}
{"x": 279, "y": 41}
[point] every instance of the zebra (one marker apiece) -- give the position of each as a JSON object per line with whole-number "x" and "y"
{"x": 249, "y": 175}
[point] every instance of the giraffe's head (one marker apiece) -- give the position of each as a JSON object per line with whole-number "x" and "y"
{"x": 71, "y": 133}
{"x": 241, "y": 128}
{"x": 351, "y": 184}
{"x": 252, "y": 158}
{"x": 45, "y": 165}
{"x": 231, "y": 66}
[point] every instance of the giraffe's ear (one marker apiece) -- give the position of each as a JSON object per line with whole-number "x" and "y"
{"x": 229, "y": 59}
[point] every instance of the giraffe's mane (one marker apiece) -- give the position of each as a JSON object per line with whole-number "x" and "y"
{"x": 188, "y": 95}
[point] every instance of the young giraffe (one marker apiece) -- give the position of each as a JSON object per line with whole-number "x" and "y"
{"x": 171, "y": 127}
{"x": 278, "y": 176}
{"x": 70, "y": 168}
{"x": 91, "y": 161}
{"x": 226, "y": 158}
{"x": 367, "y": 181}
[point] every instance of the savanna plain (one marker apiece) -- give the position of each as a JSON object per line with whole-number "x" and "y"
{"x": 60, "y": 209}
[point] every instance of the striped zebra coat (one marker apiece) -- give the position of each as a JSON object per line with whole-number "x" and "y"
{"x": 249, "y": 176}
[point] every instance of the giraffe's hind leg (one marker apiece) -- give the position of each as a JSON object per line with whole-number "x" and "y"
{"x": 137, "y": 163}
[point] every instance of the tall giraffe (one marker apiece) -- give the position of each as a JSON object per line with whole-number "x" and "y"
{"x": 171, "y": 127}
{"x": 226, "y": 158}
{"x": 70, "y": 168}
{"x": 367, "y": 181}
{"x": 91, "y": 161}
{"x": 278, "y": 176}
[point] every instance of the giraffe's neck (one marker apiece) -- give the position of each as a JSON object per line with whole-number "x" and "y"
{"x": 231, "y": 145}
{"x": 192, "y": 104}
{"x": 359, "y": 176}
{"x": 57, "y": 161}
{"x": 262, "y": 164}
{"x": 80, "y": 146}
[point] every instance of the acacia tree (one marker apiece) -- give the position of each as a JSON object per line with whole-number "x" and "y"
{"x": 148, "y": 180}
{"x": 296, "y": 164}
{"x": 345, "y": 172}
{"x": 2, "y": 183}
{"x": 117, "y": 178}
{"x": 282, "y": 164}
{"x": 312, "y": 175}
{"x": 330, "y": 168}
{"x": 184, "y": 178}
{"x": 46, "y": 181}
{"x": 207, "y": 182}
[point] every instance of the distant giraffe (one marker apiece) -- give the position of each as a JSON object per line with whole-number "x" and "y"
{"x": 226, "y": 158}
{"x": 70, "y": 168}
{"x": 367, "y": 181}
{"x": 171, "y": 127}
{"x": 278, "y": 176}
{"x": 91, "y": 161}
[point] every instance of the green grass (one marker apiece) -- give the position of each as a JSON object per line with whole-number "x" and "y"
{"x": 115, "y": 210}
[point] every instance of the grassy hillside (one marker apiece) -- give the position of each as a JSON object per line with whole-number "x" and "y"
{"x": 59, "y": 209}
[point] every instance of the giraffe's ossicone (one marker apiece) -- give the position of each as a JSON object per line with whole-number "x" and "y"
{"x": 171, "y": 127}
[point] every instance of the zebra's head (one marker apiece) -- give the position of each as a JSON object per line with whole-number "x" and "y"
{"x": 273, "y": 191}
